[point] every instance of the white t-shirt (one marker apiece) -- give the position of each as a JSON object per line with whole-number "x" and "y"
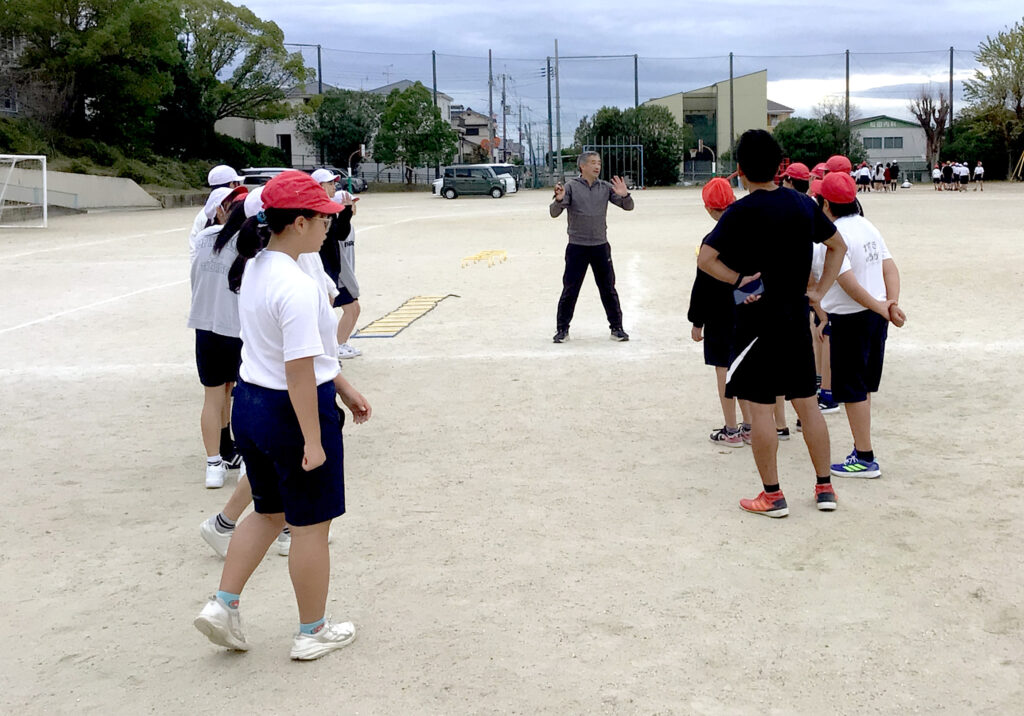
{"x": 198, "y": 225}
{"x": 979, "y": 171}
{"x": 285, "y": 315}
{"x": 214, "y": 305}
{"x": 936, "y": 173}
{"x": 865, "y": 252}
{"x": 818, "y": 267}
{"x": 313, "y": 267}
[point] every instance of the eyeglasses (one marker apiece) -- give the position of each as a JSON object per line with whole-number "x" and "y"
{"x": 328, "y": 220}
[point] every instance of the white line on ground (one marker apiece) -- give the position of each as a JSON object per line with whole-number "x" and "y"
{"x": 105, "y": 301}
{"x": 71, "y": 247}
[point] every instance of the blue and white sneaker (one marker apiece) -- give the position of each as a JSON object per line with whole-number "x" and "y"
{"x": 853, "y": 466}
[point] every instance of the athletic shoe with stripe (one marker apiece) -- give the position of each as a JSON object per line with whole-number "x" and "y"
{"x": 307, "y": 647}
{"x": 221, "y": 625}
{"x": 728, "y": 438}
{"x": 853, "y": 466}
{"x": 617, "y": 334}
{"x": 783, "y": 433}
{"x": 219, "y": 541}
{"x": 825, "y": 496}
{"x": 828, "y": 407}
{"x": 771, "y": 504}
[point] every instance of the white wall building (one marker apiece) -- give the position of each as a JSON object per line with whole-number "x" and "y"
{"x": 887, "y": 139}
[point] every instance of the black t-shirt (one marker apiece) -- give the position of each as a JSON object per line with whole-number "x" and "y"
{"x": 771, "y": 232}
{"x": 711, "y": 302}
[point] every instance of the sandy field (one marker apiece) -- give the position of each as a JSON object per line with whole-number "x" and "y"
{"x": 532, "y": 528}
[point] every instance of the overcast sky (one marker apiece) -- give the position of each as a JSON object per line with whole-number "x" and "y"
{"x": 896, "y": 47}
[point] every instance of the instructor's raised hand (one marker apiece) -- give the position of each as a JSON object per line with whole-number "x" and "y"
{"x": 559, "y": 191}
{"x": 619, "y": 186}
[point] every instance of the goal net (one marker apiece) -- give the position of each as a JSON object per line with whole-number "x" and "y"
{"x": 23, "y": 191}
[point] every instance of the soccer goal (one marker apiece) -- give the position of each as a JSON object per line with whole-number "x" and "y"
{"x": 23, "y": 191}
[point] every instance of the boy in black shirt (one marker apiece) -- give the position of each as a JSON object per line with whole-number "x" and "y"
{"x": 767, "y": 235}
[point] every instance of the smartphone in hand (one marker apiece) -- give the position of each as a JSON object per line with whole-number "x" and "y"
{"x": 754, "y": 288}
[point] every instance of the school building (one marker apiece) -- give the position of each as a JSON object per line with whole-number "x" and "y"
{"x": 707, "y": 110}
{"x": 887, "y": 139}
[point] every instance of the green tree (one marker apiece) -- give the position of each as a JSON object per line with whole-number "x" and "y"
{"x": 976, "y": 136}
{"x": 96, "y": 68}
{"x": 412, "y": 131}
{"x": 810, "y": 141}
{"x": 653, "y": 127}
{"x": 997, "y": 88}
{"x": 221, "y": 38}
{"x": 340, "y": 121}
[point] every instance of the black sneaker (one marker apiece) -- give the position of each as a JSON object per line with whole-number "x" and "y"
{"x": 561, "y": 336}
{"x": 799, "y": 426}
{"x": 783, "y": 433}
{"x": 619, "y": 335}
{"x": 233, "y": 462}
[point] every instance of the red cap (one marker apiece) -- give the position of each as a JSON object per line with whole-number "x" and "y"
{"x": 815, "y": 188}
{"x": 839, "y": 188}
{"x": 796, "y": 170}
{"x": 237, "y": 192}
{"x": 717, "y": 194}
{"x": 297, "y": 190}
{"x": 839, "y": 163}
{"x": 819, "y": 170}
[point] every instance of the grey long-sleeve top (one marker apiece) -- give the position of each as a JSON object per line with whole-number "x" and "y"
{"x": 588, "y": 210}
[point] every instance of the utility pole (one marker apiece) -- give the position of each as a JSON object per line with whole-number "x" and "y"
{"x": 636, "y": 82}
{"x": 849, "y": 134}
{"x": 951, "y": 93}
{"x": 433, "y": 62}
{"x": 490, "y": 104}
{"x": 523, "y": 153}
{"x": 558, "y": 117}
{"x": 504, "y": 121}
{"x": 551, "y": 149}
{"x": 732, "y": 118}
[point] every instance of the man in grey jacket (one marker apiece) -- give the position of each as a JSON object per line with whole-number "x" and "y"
{"x": 586, "y": 197}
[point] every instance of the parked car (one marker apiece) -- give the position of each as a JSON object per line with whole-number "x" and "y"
{"x": 470, "y": 179}
{"x": 511, "y": 174}
{"x": 268, "y": 171}
{"x": 255, "y": 180}
{"x": 358, "y": 183}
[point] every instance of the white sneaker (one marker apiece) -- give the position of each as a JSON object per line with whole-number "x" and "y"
{"x": 346, "y": 351}
{"x": 218, "y": 540}
{"x": 283, "y": 544}
{"x": 215, "y": 475}
{"x": 307, "y": 647}
{"x": 221, "y": 625}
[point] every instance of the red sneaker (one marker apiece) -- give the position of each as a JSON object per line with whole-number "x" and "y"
{"x": 825, "y": 495}
{"x": 770, "y": 504}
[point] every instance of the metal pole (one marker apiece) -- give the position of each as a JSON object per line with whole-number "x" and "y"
{"x": 490, "y": 105}
{"x": 433, "y": 62}
{"x": 558, "y": 116}
{"x": 951, "y": 93}
{"x": 551, "y": 136}
{"x": 732, "y": 117}
{"x": 849, "y": 134}
{"x": 504, "y": 121}
{"x": 320, "y": 91}
{"x": 636, "y": 81}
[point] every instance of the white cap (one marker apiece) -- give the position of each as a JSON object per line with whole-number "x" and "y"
{"x": 322, "y": 176}
{"x": 254, "y": 202}
{"x": 214, "y": 200}
{"x": 222, "y": 174}
{"x": 341, "y": 196}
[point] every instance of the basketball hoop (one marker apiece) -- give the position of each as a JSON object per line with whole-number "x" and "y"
{"x": 693, "y": 154}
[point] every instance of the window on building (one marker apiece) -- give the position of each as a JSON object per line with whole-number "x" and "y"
{"x": 284, "y": 143}
{"x": 894, "y": 142}
{"x": 872, "y": 142}
{"x": 473, "y": 131}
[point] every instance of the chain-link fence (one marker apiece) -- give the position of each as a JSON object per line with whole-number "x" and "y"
{"x": 538, "y": 103}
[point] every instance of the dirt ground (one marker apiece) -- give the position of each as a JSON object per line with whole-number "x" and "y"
{"x": 532, "y": 528}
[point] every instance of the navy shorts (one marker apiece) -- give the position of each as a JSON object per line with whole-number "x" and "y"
{"x": 217, "y": 358}
{"x": 343, "y": 298}
{"x": 718, "y": 345}
{"x": 858, "y": 351}
{"x": 268, "y": 437}
{"x": 778, "y": 362}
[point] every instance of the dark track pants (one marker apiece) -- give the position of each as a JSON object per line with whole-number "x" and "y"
{"x": 577, "y": 259}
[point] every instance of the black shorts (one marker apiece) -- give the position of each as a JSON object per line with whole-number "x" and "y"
{"x": 858, "y": 351}
{"x": 343, "y": 298}
{"x": 718, "y": 348}
{"x": 964, "y": 179}
{"x": 217, "y": 358}
{"x": 268, "y": 438}
{"x": 778, "y": 362}
{"x": 936, "y": 181}
{"x": 863, "y": 181}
